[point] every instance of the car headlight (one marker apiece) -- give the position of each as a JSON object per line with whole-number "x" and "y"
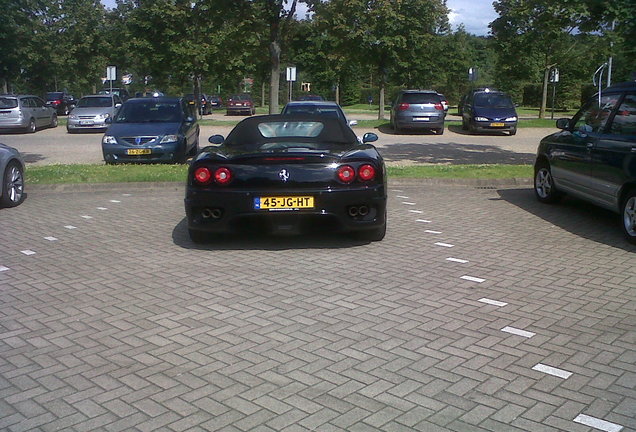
{"x": 169, "y": 138}
{"x": 72, "y": 117}
{"x": 102, "y": 116}
{"x": 481, "y": 119}
{"x": 511, "y": 119}
{"x": 109, "y": 139}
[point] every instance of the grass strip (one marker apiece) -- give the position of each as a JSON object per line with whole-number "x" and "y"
{"x": 82, "y": 173}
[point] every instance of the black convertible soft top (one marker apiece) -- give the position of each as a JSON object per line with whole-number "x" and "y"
{"x": 255, "y": 131}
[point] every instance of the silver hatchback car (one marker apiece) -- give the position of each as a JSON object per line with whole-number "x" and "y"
{"x": 418, "y": 109}
{"x": 91, "y": 112}
{"x": 25, "y": 112}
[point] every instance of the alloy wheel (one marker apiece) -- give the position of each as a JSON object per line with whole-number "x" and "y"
{"x": 629, "y": 216}
{"x": 543, "y": 183}
{"x": 15, "y": 184}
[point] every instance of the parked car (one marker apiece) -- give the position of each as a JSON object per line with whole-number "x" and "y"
{"x": 61, "y": 101}
{"x": 489, "y": 111}
{"x": 444, "y": 103}
{"x": 321, "y": 108}
{"x": 25, "y": 112}
{"x": 216, "y": 102}
{"x": 91, "y": 112}
{"x": 593, "y": 157}
{"x": 418, "y": 109}
{"x": 12, "y": 177}
{"x": 121, "y": 92}
{"x": 240, "y": 104}
{"x": 160, "y": 129}
{"x": 203, "y": 109}
{"x": 462, "y": 100}
{"x": 284, "y": 174}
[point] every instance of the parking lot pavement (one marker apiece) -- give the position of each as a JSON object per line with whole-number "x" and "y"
{"x": 480, "y": 311}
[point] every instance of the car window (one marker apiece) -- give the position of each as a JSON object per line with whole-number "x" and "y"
{"x": 150, "y": 111}
{"x": 593, "y": 116}
{"x": 37, "y": 102}
{"x": 95, "y": 102}
{"x": 420, "y": 98}
{"x": 624, "y": 122}
{"x": 495, "y": 100}
{"x": 8, "y": 102}
{"x": 28, "y": 103}
{"x": 288, "y": 129}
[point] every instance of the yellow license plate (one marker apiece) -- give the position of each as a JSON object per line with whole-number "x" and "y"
{"x": 138, "y": 151}
{"x": 497, "y": 124}
{"x": 283, "y": 203}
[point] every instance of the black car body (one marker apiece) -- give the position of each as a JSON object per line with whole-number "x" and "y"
{"x": 62, "y": 102}
{"x": 489, "y": 111}
{"x": 287, "y": 174}
{"x": 160, "y": 129}
{"x": 593, "y": 157}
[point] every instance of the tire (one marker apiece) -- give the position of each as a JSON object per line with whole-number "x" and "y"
{"x": 513, "y": 131}
{"x": 471, "y": 128}
{"x": 12, "y": 186}
{"x": 464, "y": 125}
{"x": 195, "y": 149}
{"x": 544, "y": 188}
{"x": 628, "y": 216}
{"x": 32, "y": 127}
{"x": 439, "y": 131}
{"x": 53, "y": 121}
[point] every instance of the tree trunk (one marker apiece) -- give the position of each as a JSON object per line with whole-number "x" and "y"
{"x": 263, "y": 93}
{"x": 544, "y": 95}
{"x": 274, "y": 79}
{"x": 5, "y": 86}
{"x": 338, "y": 92}
{"x": 381, "y": 108}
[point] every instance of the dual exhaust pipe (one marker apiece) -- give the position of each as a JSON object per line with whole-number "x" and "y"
{"x": 213, "y": 213}
{"x": 358, "y": 211}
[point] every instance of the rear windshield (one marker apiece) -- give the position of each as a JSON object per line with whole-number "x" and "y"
{"x": 495, "y": 100}
{"x": 149, "y": 111}
{"x": 327, "y": 111}
{"x": 95, "y": 102}
{"x": 420, "y": 98}
{"x": 53, "y": 96}
{"x": 8, "y": 102}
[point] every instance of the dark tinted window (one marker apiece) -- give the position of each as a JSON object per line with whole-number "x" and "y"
{"x": 421, "y": 98}
{"x": 495, "y": 100}
{"x": 625, "y": 119}
{"x": 150, "y": 111}
{"x": 8, "y": 102}
{"x": 594, "y": 116}
{"x": 95, "y": 102}
{"x": 54, "y": 95}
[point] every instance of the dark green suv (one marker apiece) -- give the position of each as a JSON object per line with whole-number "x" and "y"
{"x": 593, "y": 157}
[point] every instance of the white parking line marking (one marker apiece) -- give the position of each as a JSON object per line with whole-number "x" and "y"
{"x": 552, "y": 371}
{"x": 444, "y": 244}
{"x": 432, "y": 232}
{"x": 473, "y": 279}
{"x": 102, "y": 208}
{"x": 50, "y": 238}
{"x": 126, "y": 194}
{"x": 598, "y": 423}
{"x": 408, "y": 203}
{"x": 402, "y": 196}
{"x": 457, "y": 260}
{"x": 518, "y": 332}
{"x": 416, "y": 211}
{"x": 28, "y": 252}
{"x": 87, "y": 217}
{"x": 115, "y": 201}
{"x": 493, "y": 302}
{"x": 70, "y": 227}
{"x": 3, "y": 268}
{"x": 396, "y": 190}
{"x": 422, "y": 220}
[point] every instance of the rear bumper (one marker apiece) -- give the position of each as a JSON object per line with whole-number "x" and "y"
{"x": 433, "y": 122}
{"x": 345, "y": 210}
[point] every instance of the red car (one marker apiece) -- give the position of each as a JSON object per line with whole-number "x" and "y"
{"x": 62, "y": 102}
{"x": 240, "y": 104}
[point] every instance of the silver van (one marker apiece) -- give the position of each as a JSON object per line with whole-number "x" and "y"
{"x": 25, "y": 112}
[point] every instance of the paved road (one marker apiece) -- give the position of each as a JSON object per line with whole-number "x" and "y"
{"x": 50, "y": 146}
{"x": 112, "y": 320}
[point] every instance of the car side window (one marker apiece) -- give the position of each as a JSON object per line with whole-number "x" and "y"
{"x": 28, "y": 103}
{"x": 624, "y": 122}
{"x": 37, "y": 102}
{"x": 594, "y": 116}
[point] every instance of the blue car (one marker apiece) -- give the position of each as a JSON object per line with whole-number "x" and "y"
{"x": 489, "y": 111}
{"x": 151, "y": 130}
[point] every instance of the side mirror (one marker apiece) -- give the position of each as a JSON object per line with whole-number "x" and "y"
{"x": 563, "y": 123}
{"x": 353, "y": 123}
{"x": 369, "y": 137}
{"x": 117, "y": 105}
{"x": 216, "y": 139}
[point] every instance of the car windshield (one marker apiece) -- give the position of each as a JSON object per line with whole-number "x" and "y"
{"x": 240, "y": 98}
{"x": 149, "y": 111}
{"x": 54, "y": 96}
{"x": 8, "y": 102}
{"x": 493, "y": 100}
{"x": 309, "y": 109}
{"x": 95, "y": 102}
{"x": 420, "y": 98}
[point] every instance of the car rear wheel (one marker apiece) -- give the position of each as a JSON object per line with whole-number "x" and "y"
{"x": 53, "y": 121}
{"x": 12, "y": 186}
{"x": 32, "y": 127}
{"x": 628, "y": 213}
{"x": 544, "y": 188}
{"x": 439, "y": 131}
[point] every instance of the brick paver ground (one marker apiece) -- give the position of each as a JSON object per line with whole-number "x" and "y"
{"x": 112, "y": 320}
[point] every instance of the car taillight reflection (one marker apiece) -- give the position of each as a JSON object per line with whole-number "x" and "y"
{"x": 203, "y": 175}
{"x": 346, "y": 174}
{"x": 366, "y": 172}
{"x": 403, "y": 106}
{"x": 439, "y": 106}
{"x": 222, "y": 176}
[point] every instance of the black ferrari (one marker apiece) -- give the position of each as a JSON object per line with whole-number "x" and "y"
{"x": 287, "y": 174}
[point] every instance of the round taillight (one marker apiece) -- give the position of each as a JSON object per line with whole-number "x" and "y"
{"x": 403, "y": 106}
{"x": 346, "y": 174}
{"x": 222, "y": 176}
{"x": 202, "y": 175}
{"x": 366, "y": 172}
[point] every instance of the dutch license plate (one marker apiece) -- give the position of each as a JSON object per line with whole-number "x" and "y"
{"x": 283, "y": 203}
{"x": 497, "y": 124}
{"x": 87, "y": 122}
{"x": 138, "y": 151}
{"x": 420, "y": 118}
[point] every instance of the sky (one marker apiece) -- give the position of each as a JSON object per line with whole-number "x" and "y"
{"x": 474, "y": 14}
